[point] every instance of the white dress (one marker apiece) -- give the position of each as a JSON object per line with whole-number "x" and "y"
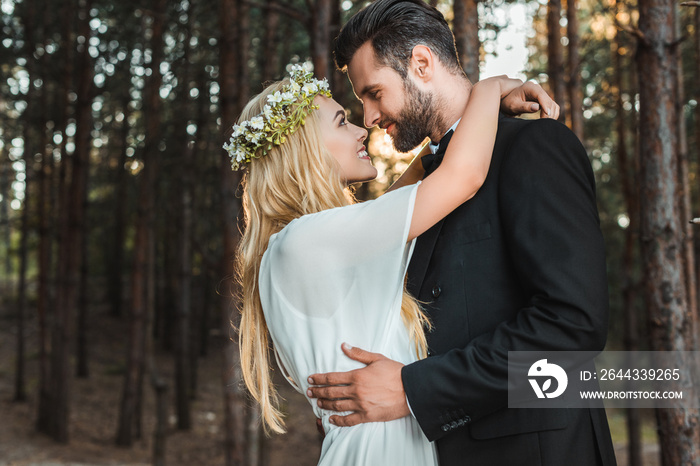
{"x": 337, "y": 276}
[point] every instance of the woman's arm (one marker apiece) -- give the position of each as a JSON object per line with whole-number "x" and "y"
{"x": 466, "y": 163}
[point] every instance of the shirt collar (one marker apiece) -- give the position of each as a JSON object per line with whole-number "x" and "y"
{"x": 434, "y": 146}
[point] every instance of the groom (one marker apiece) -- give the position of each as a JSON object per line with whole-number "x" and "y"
{"x": 520, "y": 267}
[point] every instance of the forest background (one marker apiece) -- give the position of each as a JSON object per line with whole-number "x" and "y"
{"x": 118, "y": 208}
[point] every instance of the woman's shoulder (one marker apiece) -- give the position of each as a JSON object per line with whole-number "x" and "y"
{"x": 300, "y": 225}
{"x": 303, "y": 230}
{"x": 337, "y": 215}
{"x": 314, "y": 231}
{"x": 304, "y": 240}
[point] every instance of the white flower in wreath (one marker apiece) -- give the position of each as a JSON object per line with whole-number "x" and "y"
{"x": 310, "y": 88}
{"x": 257, "y": 122}
{"x": 238, "y": 130}
{"x": 240, "y": 155}
{"x": 275, "y": 98}
{"x": 287, "y": 96}
{"x": 267, "y": 111}
{"x": 254, "y": 138}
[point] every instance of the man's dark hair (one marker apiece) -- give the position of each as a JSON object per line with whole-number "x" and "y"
{"x": 394, "y": 27}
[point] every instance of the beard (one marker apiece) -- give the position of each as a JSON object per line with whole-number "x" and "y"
{"x": 418, "y": 119}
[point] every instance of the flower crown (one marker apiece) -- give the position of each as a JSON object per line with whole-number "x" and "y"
{"x": 284, "y": 113}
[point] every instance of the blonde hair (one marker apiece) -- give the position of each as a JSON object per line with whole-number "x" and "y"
{"x": 293, "y": 179}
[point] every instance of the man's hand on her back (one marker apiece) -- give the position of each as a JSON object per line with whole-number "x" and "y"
{"x": 373, "y": 394}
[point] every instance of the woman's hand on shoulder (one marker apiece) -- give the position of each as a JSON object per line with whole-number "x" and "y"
{"x": 505, "y": 84}
{"x": 529, "y": 97}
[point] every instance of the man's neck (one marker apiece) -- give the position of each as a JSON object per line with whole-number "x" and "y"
{"x": 452, "y": 98}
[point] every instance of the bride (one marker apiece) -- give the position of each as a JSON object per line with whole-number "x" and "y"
{"x": 317, "y": 268}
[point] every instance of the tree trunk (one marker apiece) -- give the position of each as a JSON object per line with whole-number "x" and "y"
{"x": 84, "y": 140}
{"x": 671, "y": 325}
{"x": 244, "y": 43}
{"x": 46, "y": 393}
{"x": 270, "y": 58}
{"x": 20, "y": 382}
{"x": 137, "y": 331}
{"x": 321, "y": 40}
{"x": 130, "y": 411}
{"x": 160, "y": 435}
{"x": 28, "y": 136}
{"x": 117, "y": 260}
{"x": 287, "y": 30}
{"x": 574, "y": 81}
{"x": 198, "y": 325}
{"x": 71, "y": 248}
{"x": 184, "y": 316}
{"x": 234, "y": 396}
{"x": 159, "y": 385}
{"x": 696, "y": 213}
{"x": 82, "y": 368}
{"x": 466, "y": 31}
{"x": 165, "y": 316}
{"x": 45, "y": 200}
{"x": 5, "y": 170}
{"x": 196, "y": 317}
{"x": 255, "y": 437}
{"x": 628, "y": 177}
{"x": 555, "y": 56}
{"x": 685, "y": 192}
{"x": 338, "y": 81}
{"x": 206, "y": 316}
{"x": 148, "y": 359}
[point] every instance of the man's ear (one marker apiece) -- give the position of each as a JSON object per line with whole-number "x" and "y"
{"x": 423, "y": 63}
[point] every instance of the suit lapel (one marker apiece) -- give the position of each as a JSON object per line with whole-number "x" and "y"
{"x": 421, "y": 258}
{"x": 426, "y": 242}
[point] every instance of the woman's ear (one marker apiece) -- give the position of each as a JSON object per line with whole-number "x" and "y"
{"x": 422, "y": 65}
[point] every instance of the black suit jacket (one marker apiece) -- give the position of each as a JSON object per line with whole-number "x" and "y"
{"x": 520, "y": 266}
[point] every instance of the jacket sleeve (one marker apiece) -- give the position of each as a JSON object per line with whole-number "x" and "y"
{"x": 548, "y": 212}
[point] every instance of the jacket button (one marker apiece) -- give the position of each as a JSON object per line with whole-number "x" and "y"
{"x": 436, "y": 291}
